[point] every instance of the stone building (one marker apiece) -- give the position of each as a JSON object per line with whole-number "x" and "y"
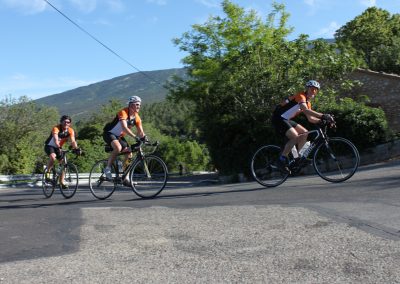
{"x": 383, "y": 89}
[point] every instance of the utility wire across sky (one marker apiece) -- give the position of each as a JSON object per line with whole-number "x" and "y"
{"x": 101, "y": 43}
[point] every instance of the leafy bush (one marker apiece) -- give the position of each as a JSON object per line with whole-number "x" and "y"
{"x": 363, "y": 125}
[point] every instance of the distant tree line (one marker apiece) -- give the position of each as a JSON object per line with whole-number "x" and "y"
{"x": 24, "y": 127}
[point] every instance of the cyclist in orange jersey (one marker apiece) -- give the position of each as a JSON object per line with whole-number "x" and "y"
{"x": 57, "y": 138}
{"x": 115, "y": 131}
{"x": 286, "y": 127}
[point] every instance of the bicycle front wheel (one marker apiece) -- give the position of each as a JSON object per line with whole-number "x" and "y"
{"x": 264, "y": 166}
{"x": 148, "y": 176}
{"x": 336, "y": 160}
{"x": 100, "y": 186}
{"x": 71, "y": 180}
{"x": 48, "y": 185}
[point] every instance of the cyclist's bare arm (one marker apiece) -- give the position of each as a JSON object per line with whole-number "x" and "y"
{"x": 56, "y": 140}
{"x": 312, "y": 115}
{"x": 140, "y": 131}
{"x": 73, "y": 141}
{"x": 126, "y": 129}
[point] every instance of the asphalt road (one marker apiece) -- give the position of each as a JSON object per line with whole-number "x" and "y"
{"x": 304, "y": 231}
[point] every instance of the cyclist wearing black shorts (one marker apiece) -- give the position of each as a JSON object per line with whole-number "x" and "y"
{"x": 115, "y": 131}
{"x": 58, "y": 136}
{"x": 293, "y": 131}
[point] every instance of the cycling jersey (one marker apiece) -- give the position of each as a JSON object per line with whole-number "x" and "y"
{"x": 115, "y": 127}
{"x": 63, "y": 136}
{"x": 290, "y": 108}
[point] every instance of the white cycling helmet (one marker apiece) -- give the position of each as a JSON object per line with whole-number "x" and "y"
{"x": 134, "y": 99}
{"x": 313, "y": 83}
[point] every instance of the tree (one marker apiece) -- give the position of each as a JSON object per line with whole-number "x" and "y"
{"x": 239, "y": 67}
{"x": 172, "y": 119}
{"x": 371, "y": 33}
{"x": 24, "y": 126}
{"x": 93, "y": 127}
{"x": 386, "y": 58}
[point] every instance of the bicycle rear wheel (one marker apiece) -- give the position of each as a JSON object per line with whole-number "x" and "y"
{"x": 264, "y": 166}
{"x": 100, "y": 187}
{"x": 148, "y": 176}
{"x": 71, "y": 179}
{"x": 48, "y": 185}
{"x": 337, "y": 160}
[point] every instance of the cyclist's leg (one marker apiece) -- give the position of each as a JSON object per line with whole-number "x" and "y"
{"x": 127, "y": 155}
{"x": 115, "y": 144}
{"x": 51, "y": 153}
{"x": 302, "y": 137}
{"x": 62, "y": 174}
{"x": 54, "y": 154}
{"x": 111, "y": 140}
{"x": 125, "y": 149}
{"x": 284, "y": 129}
{"x": 291, "y": 134}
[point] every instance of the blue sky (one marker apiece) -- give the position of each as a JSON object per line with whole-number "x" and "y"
{"x": 44, "y": 54}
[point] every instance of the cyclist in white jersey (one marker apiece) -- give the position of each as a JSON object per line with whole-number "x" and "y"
{"x": 115, "y": 131}
{"x": 286, "y": 127}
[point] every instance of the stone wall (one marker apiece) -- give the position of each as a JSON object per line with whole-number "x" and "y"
{"x": 384, "y": 91}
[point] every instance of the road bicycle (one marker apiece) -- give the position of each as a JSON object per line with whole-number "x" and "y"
{"x": 335, "y": 159}
{"x": 65, "y": 169}
{"x": 146, "y": 173}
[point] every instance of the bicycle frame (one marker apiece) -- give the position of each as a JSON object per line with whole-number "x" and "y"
{"x": 63, "y": 164}
{"x": 139, "y": 156}
{"x": 320, "y": 138}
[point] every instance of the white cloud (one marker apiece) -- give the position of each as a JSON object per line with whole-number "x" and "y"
{"x": 209, "y": 3}
{"x": 158, "y": 2}
{"x": 27, "y": 7}
{"x": 309, "y": 2}
{"x": 368, "y": 3}
{"x": 329, "y": 31}
{"x": 153, "y": 20}
{"x": 89, "y": 6}
{"x": 86, "y": 6}
{"x": 102, "y": 22}
{"x": 115, "y": 5}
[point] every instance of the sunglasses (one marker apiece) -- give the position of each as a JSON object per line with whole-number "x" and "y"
{"x": 138, "y": 105}
{"x": 67, "y": 121}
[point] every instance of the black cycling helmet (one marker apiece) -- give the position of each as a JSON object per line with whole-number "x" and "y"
{"x": 65, "y": 117}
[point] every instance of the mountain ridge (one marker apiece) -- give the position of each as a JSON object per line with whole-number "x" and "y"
{"x": 81, "y": 102}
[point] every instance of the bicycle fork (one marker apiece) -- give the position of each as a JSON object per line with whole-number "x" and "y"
{"x": 146, "y": 168}
{"x": 330, "y": 152}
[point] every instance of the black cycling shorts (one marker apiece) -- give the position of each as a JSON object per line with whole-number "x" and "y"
{"x": 50, "y": 149}
{"x": 283, "y": 125}
{"x": 109, "y": 137}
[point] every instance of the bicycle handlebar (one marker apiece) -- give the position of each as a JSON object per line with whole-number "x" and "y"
{"x": 138, "y": 145}
{"x": 72, "y": 151}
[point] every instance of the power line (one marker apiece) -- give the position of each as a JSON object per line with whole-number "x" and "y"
{"x": 98, "y": 41}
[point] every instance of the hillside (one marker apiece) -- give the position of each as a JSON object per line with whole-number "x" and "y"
{"x": 82, "y": 101}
